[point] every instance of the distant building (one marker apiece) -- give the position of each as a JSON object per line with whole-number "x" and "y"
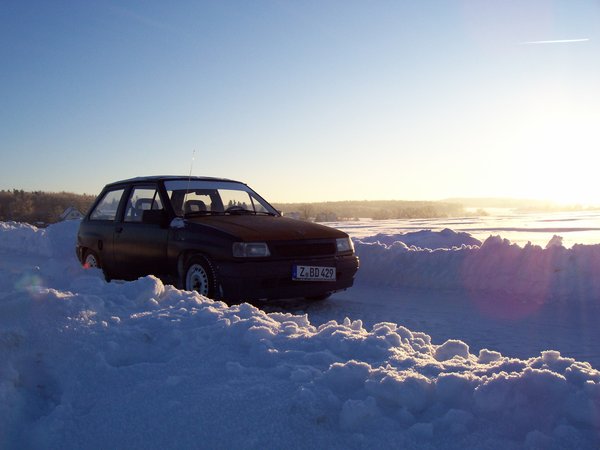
{"x": 71, "y": 213}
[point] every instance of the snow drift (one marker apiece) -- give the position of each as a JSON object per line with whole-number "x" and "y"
{"x": 531, "y": 274}
{"x": 425, "y": 239}
{"x": 85, "y": 363}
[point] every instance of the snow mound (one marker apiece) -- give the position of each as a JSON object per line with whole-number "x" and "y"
{"x": 22, "y": 237}
{"x": 529, "y": 274}
{"x": 426, "y": 239}
{"x": 57, "y": 240}
{"x": 81, "y": 368}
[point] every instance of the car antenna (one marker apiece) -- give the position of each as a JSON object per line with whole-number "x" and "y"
{"x": 187, "y": 190}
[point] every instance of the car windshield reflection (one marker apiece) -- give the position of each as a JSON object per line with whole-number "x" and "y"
{"x": 198, "y": 198}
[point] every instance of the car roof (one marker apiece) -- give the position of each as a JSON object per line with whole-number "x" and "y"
{"x": 154, "y": 178}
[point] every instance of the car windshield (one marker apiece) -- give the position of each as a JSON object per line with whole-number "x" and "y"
{"x": 200, "y": 197}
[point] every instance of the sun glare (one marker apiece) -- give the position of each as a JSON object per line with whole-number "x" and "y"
{"x": 558, "y": 147}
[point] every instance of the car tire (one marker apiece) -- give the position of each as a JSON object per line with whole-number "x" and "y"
{"x": 91, "y": 260}
{"x": 199, "y": 276}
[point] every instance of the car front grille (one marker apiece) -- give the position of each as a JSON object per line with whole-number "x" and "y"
{"x": 302, "y": 249}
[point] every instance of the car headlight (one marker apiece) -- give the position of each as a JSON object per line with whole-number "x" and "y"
{"x": 250, "y": 250}
{"x": 344, "y": 245}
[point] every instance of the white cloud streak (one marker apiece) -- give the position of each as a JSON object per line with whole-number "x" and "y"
{"x": 557, "y": 41}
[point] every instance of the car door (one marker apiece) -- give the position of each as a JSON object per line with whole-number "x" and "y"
{"x": 140, "y": 246}
{"x": 96, "y": 233}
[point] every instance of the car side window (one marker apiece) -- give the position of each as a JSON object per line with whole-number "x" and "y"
{"x": 106, "y": 209}
{"x": 140, "y": 200}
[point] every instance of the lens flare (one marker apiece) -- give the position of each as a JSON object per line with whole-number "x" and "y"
{"x": 30, "y": 283}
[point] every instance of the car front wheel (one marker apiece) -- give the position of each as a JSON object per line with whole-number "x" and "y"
{"x": 200, "y": 277}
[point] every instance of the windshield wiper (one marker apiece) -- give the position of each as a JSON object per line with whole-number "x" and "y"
{"x": 203, "y": 213}
{"x": 231, "y": 211}
{"x": 242, "y": 211}
{"x": 239, "y": 211}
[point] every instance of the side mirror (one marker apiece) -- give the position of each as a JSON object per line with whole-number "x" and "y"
{"x": 155, "y": 217}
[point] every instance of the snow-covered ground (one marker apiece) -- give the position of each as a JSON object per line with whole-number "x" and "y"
{"x": 580, "y": 227}
{"x": 448, "y": 340}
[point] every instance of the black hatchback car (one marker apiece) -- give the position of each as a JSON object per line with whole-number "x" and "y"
{"x": 214, "y": 236}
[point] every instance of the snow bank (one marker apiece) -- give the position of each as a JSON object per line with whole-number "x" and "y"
{"x": 525, "y": 274}
{"x": 425, "y": 239}
{"x": 80, "y": 369}
{"x": 22, "y": 237}
{"x": 57, "y": 240}
{"x": 53, "y": 247}
{"x": 90, "y": 364}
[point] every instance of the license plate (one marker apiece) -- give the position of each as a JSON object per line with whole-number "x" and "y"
{"x": 313, "y": 273}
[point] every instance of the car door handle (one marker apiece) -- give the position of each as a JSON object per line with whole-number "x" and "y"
{"x": 118, "y": 229}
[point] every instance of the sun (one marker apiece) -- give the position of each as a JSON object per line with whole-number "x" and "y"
{"x": 559, "y": 154}
{"x": 564, "y": 174}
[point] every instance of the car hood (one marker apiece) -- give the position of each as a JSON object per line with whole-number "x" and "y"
{"x": 250, "y": 228}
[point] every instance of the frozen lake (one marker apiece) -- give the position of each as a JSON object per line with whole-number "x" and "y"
{"x": 581, "y": 227}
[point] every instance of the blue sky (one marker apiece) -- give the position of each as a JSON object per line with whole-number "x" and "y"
{"x": 305, "y": 100}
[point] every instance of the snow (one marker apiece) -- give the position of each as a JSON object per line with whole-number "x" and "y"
{"x": 425, "y": 239}
{"x": 577, "y": 227}
{"x": 90, "y": 364}
{"x": 531, "y": 274}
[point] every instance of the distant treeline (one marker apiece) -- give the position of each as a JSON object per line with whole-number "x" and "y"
{"x": 39, "y": 207}
{"x": 375, "y": 209}
{"x": 47, "y": 207}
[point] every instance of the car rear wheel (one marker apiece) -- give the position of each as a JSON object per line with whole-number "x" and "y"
{"x": 200, "y": 276}
{"x": 91, "y": 260}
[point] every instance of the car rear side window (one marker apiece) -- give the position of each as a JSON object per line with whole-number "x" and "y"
{"x": 140, "y": 200}
{"x": 106, "y": 209}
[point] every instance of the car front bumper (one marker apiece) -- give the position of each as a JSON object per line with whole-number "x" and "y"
{"x": 270, "y": 280}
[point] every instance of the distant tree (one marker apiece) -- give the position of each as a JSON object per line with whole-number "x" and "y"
{"x": 388, "y": 209}
{"x": 35, "y": 207}
{"x": 306, "y": 211}
{"x": 381, "y": 214}
{"x": 326, "y": 216}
